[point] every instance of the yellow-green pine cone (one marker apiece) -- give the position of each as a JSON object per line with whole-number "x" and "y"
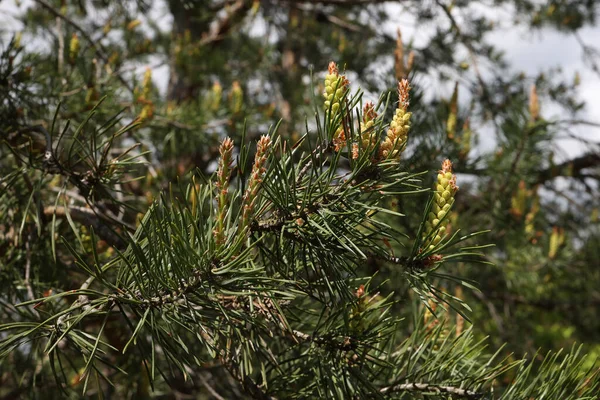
{"x": 147, "y": 84}
{"x": 256, "y": 177}
{"x": 530, "y": 217}
{"x": 236, "y": 98}
{"x": 518, "y": 202}
{"x": 74, "y": 48}
{"x": 451, "y": 126}
{"x": 443, "y": 199}
{"x": 215, "y": 96}
{"x": 91, "y": 95}
{"x": 336, "y": 87}
{"x": 534, "y": 104}
{"x": 367, "y": 135}
{"x": 465, "y": 140}
{"x": 397, "y": 134}
{"x": 17, "y": 40}
{"x": 557, "y": 239}
{"x": 452, "y": 116}
{"x": 147, "y": 112}
{"x": 223, "y": 175}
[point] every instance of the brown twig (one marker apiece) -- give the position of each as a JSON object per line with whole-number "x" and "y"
{"x": 87, "y": 217}
{"x": 341, "y": 2}
{"x": 573, "y": 167}
{"x": 210, "y": 388}
{"x": 493, "y": 312}
{"x": 239, "y": 8}
{"x": 319, "y": 151}
{"x": 588, "y": 54}
{"x": 27, "y": 281}
{"x": 61, "y": 46}
{"x": 427, "y": 387}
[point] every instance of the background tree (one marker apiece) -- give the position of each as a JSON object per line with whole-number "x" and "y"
{"x": 128, "y": 272}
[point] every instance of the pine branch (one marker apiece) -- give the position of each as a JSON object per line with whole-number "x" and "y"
{"x": 407, "y": 262}
{"x": 196, "y": 279}
{"x": 88, "y": 217}
{"x": 432, "y": 388}
{"x": 343, "y": 2}
{"x": 234, "y": 12}
{"x": 316, "y": 156}
{"x": 570, "y": 168}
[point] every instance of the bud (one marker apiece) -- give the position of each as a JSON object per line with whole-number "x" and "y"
{"x": 466, "y": 140}
{"x": 236, "y": 98}
{"x": 255, "y": 7}
{"x": 530, "y": 217}
{"x": 557, "y": 239}
{"x": 360, "y": 291}
{"x": 17, "y": 40}
{"x": 106, "y": 28}
{"x": 147, "y": 84}
{"x": 446, "y": 188}
{"x": 78, "y": 377}
{"x": 410, "y": 62}
{"x": 359, "y": 319}
{"x": 91, "y": 96}
{"x": 147, "y": 112}
{"x": 399, "y": 57}
{"x": 452, "y": 116}
{"x": 519, "y": 201}
{"x": 336, "y": 89}
{"x": 113, "y": 59}
{"x": 432, "y": 260}
{"x": 215, "y": 96}
{"x": 256, "y": 177}
{"x": 534, "y": 104}
{"x": 339, "y": 139}
{"x": 223, "y": 176}
{"x": 397, "y": 134}
{"x": 133, "y": 24}
{"x": 73, "y": 48}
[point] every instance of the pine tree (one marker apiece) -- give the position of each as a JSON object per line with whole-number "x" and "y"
{"x": 194, "y": 243}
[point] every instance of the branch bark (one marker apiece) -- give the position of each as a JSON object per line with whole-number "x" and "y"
{"x": 427, "y": 387}
{"x": 342, "y": 2}
{"x": 570, "y": 168}
{"x": 88, "y": 218}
